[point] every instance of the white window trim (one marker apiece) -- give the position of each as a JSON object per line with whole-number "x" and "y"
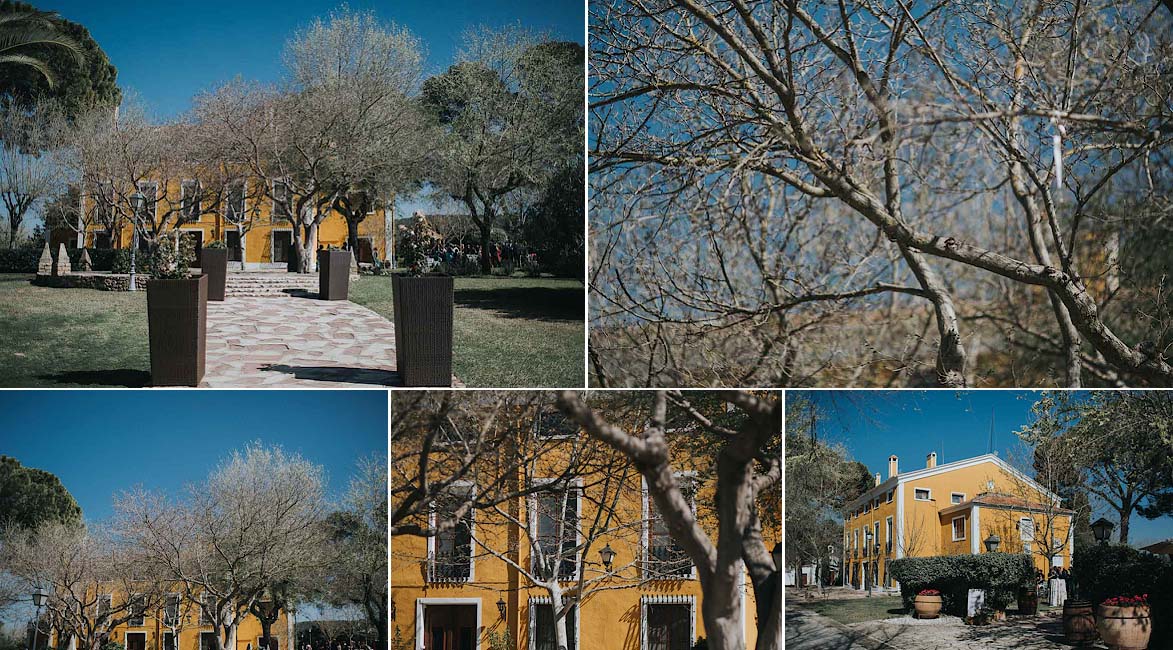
{"x": 130, "y": 610}
{"x": 645, "y": 529}
{"x": 645, "y": 601}
{"x": 153, "y": 200}
{"x": 273, "y": 243}
{"x": 273, "y": 200}
{"x": 126, "y": 640}
{"x": 538, "y": 419}
{"x": 889, "y": 529}
{"x": 472, "y": 528}
{"x": 534, "y": 601}
{"x": 178, "y": 610}
{"x": 922, "y": 489}
{"x": 532, "y": 522}
{"x": 956, "y": 494}
{"x": 183, "y": 195}
{"x": 953, "y": 528}
{"x": 422, "y": 603}
{"x": 243, "y": 198}
{"x": 203, "y": 612}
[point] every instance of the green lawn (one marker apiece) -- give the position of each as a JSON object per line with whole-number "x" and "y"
{"x": 509, "y": 332}
{"x": 856, "y": 610}
{"x": 71, "y": 337}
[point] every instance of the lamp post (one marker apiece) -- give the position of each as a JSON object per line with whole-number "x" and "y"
{"x": 608, "y": 556}
{"x": 40, "y": 597}
{"x": 867, "y": 574}
{"x": 137, "y": 200}
{"x": 1102, "y": 529}
{"x": 992, "y": 543}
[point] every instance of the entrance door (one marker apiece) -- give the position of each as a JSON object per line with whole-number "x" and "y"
{"x": 282, "y": 242}
{"x": 366, "y": 253}
{"x": 136, "y": 641}
{"x": 194, "y": 238}
{"x": 450, "y": 627}
{"x": 235, "y": 250}
{"x": 207, "y": 641}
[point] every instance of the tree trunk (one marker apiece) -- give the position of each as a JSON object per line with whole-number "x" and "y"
{"x": 1125, "y": 516}
{"x": 226, "y": 640}
{"x": 721, "y": 611}
{"x": 770, "y": 613}
{"x": 240, "y": 239}
{"x": 559, "y": 616}
{"x": 486, "y": 239}
{"x": 352, "y": 231}
{"x": 307, "y": 251}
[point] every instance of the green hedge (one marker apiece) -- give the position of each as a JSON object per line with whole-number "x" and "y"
{"x": 1000, "y": 574}
{"x": 25, "y": 259}
{"x": 1101, "y": 572}
{"x": 19, "y": 260}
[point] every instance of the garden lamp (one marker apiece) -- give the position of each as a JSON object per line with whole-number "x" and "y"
{"x": 137, "y": 200}
{"x": 608, "y": 555}
{"x": 992, "y": 543}
{"x": 40, "y": 597}
{"x": 1102, "y": 529}
{"x": 501, "y": 605}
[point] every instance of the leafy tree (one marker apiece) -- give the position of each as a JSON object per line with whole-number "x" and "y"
{"x": 553, "y": 227}
{"x": 30, "y": 497}
{"x": 359, "y": 534}
{"x": 64, "y": 63}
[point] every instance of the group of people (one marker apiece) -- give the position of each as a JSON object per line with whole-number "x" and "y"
{"x": 499, "y": 253}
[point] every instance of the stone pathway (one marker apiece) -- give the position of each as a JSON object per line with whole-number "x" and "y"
{"x": 259, "y": 342}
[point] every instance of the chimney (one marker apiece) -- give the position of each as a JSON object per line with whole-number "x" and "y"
{"x": 893, "y": 466}
{"x": 878, "y": 480}
{"x": 931, "y": 460}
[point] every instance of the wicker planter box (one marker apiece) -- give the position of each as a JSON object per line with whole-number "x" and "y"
{"x": 333, "y": 274}
{"x": 177, "y": 320}
{"x": 214, "y": 264}
{"x": 423, "y": 329}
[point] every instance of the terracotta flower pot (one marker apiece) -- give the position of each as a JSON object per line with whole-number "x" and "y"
{"x": 214, "y": 264}
{"x": 1079, "y": 622}
{"x": 1124, "y": 628}
{"x": 423, "y": 329}
{"x": 927, "y": 606}
{"x": 177, "y": 326}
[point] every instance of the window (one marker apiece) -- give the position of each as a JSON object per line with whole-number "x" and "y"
{"x": 234, "y": 203}
{"x": 104, "y": 604}
{"x": 891, "y": 493}
{"x": 875, "y": 535}
{"x": 666, "y": 560}
{"x": 274, "y": 643}
{"x": 1026, "y": 533}
{"x": 189, "y": 203}
{"x": 867, "y": 507}
{"x": 452, "y": 547}
{"x": 958, "y": 529}
{"x": 207, "y": 641}
{"x": 207, "y": 610}
{"x": 669, "y": 627}
{"x": 557, "y": 531}
{"x": 956, "y": 497}
{"x": 171, "y": 610}
{"x": 169, "y": 641}
{"x": 888, "y": 534}
{"x": 149, "y": 190}
{"x": 922, "y": 494}
{"x": 553, "y": 424}
{"x": 543, "y": 621}
{"x": 281, "y": 197}
{"x": 136, "y": 610}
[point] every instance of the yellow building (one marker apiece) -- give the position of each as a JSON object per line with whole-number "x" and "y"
{"x": 267, "y": 237}
{"x": 462, "y": 588}
{"x": 181, "y": 624}
{"x": 952, "y": 509}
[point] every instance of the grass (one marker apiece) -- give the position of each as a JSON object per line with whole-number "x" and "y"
{"x": 71, "y": 337}
{"x": 508, "y": 332}
{"x": 856, "y": 610}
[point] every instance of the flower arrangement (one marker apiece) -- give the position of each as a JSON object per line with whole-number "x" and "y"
{"x": 929, "y": 592}
{"x": 1128, "y": 601}
{"x": 217, "y": 243}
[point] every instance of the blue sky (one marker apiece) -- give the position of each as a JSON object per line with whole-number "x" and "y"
{"x": 955, "y": 424}
{"x": 101, "y": 442}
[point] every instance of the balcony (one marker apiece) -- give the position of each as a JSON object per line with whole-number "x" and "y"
{"x": 668, "y": 562}
{"x": 449, "y": 567}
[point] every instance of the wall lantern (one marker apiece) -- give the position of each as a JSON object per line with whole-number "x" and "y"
{"x": 608, "y": 555}
{"x": 992, "y": 543}
{"x": 501, "y": 605}
{"x": 1102, "y": 529}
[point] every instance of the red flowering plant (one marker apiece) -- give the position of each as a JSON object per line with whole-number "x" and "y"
{"x": 1128, "y": 601}
{"x": 928, "y": 592}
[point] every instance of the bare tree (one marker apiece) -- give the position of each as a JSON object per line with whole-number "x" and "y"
{"x": 358, "y": 573}
{"x": 818, "y": 163}
{"x": 748, "y": 466}
{"x": 255, "y": 523}
{"x": 31, "y": 166}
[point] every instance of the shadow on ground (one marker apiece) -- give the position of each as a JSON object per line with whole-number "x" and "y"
{"x": 371, "y": 376}
{"x": 120, "y": 377}
{"x": 537, "y": 303}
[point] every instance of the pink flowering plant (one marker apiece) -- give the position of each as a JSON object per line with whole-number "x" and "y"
{"x": 1128, "y": 601}
{"x": 928, "y": 592}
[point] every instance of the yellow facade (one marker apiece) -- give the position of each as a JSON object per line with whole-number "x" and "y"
{"x": 264, "y": 237}
{"x": 615, "y": 617}
{"x": 951, "y": 509}
{"x": 194, "y": 632}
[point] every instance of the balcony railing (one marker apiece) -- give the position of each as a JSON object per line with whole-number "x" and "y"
{"x": 449, "y": 567}
{"x": 668, "y": 561}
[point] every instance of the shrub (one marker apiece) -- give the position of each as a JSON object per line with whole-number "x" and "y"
{"x": 216, "y": 243}
{"x": 22, "y": 259}
{"x": 999, "y": 574}
{"x": 1104, "y": 572}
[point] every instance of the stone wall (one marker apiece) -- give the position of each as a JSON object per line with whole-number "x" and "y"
{"x": 99, "y": 281}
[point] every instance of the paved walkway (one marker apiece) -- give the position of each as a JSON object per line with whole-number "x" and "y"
{"x": 806, "y": 630}
{"x": 295, "y": 341}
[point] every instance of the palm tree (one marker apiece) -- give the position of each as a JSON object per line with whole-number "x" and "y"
{"x": 22, "y": 29}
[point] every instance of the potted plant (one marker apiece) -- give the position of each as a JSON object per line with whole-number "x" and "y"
{"x": 423, "y": 318}
{"x": 927, "y": 603}
{"x": 333, "y": 273}
{"x": 983, "y": 616}
{"x": 177, "y": 318}
{"x": 1124, "y": 622}
{"x": 214, "y": 264}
